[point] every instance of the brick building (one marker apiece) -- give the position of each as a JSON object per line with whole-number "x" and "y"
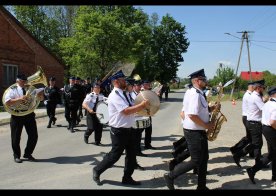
{"x": 21, "y": 52}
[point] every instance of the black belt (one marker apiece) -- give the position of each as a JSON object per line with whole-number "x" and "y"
{"x": 123, "y": 128}
{"x": 268, "y": 126}
{"x": 191, "y": 130}
{"x": 254, "y": 122}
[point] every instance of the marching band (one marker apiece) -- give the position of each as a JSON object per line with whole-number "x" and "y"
{"x": 120, "y": 114}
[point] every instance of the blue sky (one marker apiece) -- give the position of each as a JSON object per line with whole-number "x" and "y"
{"x": 209, "y": 45}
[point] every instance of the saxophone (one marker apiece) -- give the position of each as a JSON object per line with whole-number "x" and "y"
{"x": 216, "y": 117}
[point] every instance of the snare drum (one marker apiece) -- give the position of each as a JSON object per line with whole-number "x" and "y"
{"x": 142, "y": 122}
{"x": 102, "y": 112}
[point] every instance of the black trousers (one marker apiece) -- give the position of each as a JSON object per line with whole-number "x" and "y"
{"x": 122, "y": 139}
{"x": 270, "y": 136}
{"x": 138, "y": 137}
{"x": 255, "y": 147}
{"x": 198, "y": 147}
{"x": 51, "y": 110}
{"x": 93, "y": 124}
{"x": 148, "y": 133}
{"x": 245, "y": 140}
{"x": 71, "y": 113}
{"x": 181, "y": 150}
{"x": 16, "y": 124}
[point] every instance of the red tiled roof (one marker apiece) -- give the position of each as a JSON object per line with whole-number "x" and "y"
{"x": 245, "y": 75}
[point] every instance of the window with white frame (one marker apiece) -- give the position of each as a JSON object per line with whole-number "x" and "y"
{"x": 9, "y": 74}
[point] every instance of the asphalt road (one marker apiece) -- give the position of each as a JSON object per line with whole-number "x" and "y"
{"x": 66, "y": 162}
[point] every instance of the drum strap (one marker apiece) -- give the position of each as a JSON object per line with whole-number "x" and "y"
{"x": 131, "y": 99}
{"x": 124, "y": 92}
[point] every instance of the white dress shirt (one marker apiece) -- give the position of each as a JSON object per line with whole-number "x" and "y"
{"x": 269, "y": 112}
{"x": 116, "y": 104}
{"x": 255, "y": 106}
{"x": 245, "y": 99}
{"x": 90, "y": 99}
{"x": 14, "y": 93}
{"x": 194, "y": 103}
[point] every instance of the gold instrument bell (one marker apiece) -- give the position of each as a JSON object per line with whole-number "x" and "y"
{"x": 32, "y": 101}
{"x": 153, "y": 99}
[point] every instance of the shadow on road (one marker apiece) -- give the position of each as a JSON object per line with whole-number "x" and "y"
{"x": 241, "y": 184}
{"x": 74, "y": 159}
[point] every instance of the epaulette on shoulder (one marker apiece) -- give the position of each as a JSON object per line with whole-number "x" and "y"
{"x": 13, "y": 87}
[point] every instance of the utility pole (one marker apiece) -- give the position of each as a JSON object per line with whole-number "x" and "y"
{"x": 244, "y": 37}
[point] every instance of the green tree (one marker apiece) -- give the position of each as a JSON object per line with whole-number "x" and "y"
{"x": 35, "y": 19}
{"x": 164, "y": 49}
{"x": 104, "y": 35}
{"x": 270, "y": 79}
{"x": 223, "y": 75}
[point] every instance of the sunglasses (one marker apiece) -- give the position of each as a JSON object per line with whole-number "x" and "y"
{"x": 203, "y": 79}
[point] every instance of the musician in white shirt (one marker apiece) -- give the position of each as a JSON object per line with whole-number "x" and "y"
{"x": 269, "y": 132}
{"x": 121, "y": 115}
{"x": 93, "y": 124}
{"x": 195, "y": 124}
{"x": 247, "y": 139}
{"x": 254, "y": 117}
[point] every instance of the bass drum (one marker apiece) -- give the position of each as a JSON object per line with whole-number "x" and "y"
{"x": 102, "y": 112}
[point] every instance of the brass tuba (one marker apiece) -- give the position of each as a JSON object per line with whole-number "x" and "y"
{"x": 32, "y": 102}
{"x": 216, "y": 116}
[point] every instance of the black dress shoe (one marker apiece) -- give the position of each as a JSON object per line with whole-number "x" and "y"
{"x": 237, "y": 160}
{"x": 29, "y": 158}
{"x": 98, "y": 143}
{"x": 140, "y": 154}
{"x": 203, "y": 188}
{"x": 85, "y": 139}
{"x": 139, "y": 167}
{"x": 49, "y": 126}
{"x": 17, "y": 160}
{"x": 96, "y": 177}
{"x": 169, "y": 181}
{"x": 130, "y": 181}
{"x": 72, "y": 130}
{"x": 251, "y": 175}
{"x": 54, "y": 121}
{"x": 150, "y": 147}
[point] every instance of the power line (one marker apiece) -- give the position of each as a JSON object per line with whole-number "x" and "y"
{"x": 264, "y": 41}
{"x": 263, "y": 47}
{"x": 213, "y": 41}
